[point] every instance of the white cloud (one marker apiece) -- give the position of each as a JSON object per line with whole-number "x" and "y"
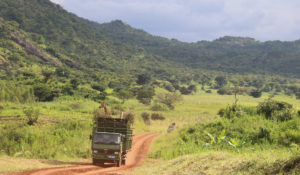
{"x": 58, "y": 1}
{"x": 192, "y": 20}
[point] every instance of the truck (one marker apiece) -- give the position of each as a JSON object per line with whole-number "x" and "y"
{"x": 111, "y": 140}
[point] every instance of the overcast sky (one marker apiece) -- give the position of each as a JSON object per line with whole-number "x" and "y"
{"x": 194, "y": 20}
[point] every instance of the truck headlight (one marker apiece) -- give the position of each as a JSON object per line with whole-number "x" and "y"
{"x": 95, "y": 151}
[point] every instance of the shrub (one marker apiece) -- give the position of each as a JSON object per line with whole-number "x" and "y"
{"x": 67, "y": 90}
{"x": 224, "y": 91}
{"x": 236, "y": 111}
{"x": 185, "y": 91}
{"x": 146, "y": 118}
{"x": 276, "y": 110}
{"x": 75, "y": 83}
{"x": 32, "y": 115}
{"x": 143, "y": 79}
{"x": 220, "y": 81}
{"x": 43, "y": 92}
{"x": 157, "y": 116}
{"x": 98, "y": 87}
{"x": 192, "y": 88}
{"x": 159, "y": 107}
{"x": 255, "y": 93}
{"x": 208, "y": 91}
{"x": 99, "y": 97}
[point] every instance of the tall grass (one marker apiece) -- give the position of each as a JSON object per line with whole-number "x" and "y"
{"x": 66, "y": 139}
{"x": 15, "y": 93}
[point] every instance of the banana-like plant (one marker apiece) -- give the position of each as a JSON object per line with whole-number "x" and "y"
{"x": 222, "y": 138}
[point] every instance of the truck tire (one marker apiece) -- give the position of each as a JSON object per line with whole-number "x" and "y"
{"x": 123, "y": 161}
{"x": 119, "y": 163}
{"x": 94, "y": 162}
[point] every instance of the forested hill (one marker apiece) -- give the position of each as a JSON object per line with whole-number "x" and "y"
{"x": 229, "y": 54}
{"x": 70, "y": 41}
{"x": 61, "y": 39}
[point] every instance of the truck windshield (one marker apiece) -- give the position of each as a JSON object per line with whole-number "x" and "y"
{"x": 107, "y": 139}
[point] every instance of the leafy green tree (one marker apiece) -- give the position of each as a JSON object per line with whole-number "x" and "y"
{"x": 47, "y": 74}
{"x": 221, "y": 81}
{"x": 67, "y": 90}
{"x": 43, "y": 92}
{"x": 124, "y": 95}
{"x": 143, "y": 79}
{"x": 185, "y": 91}
{"x": 169, "y": 99}
{"x": 99, "y": 87}
{"x": 145, "y": 96}
{"x": 192, "y": 88}
{"x": 75, "y": 83}
{"x": 62, "y": 72}
{"x": 256, "y": 93}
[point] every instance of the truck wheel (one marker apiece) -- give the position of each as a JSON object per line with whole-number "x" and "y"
{"x": 94, "y": 162}
{"x": 119, "y": 163}
{"x": 123, "y": 161}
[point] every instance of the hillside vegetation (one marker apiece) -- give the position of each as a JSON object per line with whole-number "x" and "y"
{"x": 227, "y": 54}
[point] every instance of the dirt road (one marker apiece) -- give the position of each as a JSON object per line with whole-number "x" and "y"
{"x": 141, "y": 144}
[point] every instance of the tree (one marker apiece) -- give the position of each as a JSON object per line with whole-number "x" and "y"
{"x": 145, "y": 96}
{"x": 99, "y": 87}
{"x": 32, "y": 115}
{"x": 62, "y": 72}
{"x": 143, "y": 79}
{"x": 75, "y": 83}
{"x": 168, "y": 98}
{"x": 221, "y": 81}
{"x": 124, "y": 95}
{"x": 298, "y": 95}
{"x": 43, "y": 92}
{"x": 255, "y": 93}
{"x": 185, "y": 91}
{"x": 192, "y": 88}
{"x": 67, "y": 90}
{"x": 47, "y": 74}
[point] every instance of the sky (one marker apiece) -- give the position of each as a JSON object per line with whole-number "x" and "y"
{"x": 195, "y": 20}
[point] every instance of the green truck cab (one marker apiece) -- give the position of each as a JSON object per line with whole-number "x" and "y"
{"x": 111, "y": 141}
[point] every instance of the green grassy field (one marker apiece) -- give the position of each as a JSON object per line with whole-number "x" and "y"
{"x": 67, "y": 123}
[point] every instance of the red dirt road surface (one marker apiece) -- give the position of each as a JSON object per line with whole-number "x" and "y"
{"x": 141, "y": 144}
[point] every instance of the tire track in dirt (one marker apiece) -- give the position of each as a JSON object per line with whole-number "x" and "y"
{"x": 140, "y": 146}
